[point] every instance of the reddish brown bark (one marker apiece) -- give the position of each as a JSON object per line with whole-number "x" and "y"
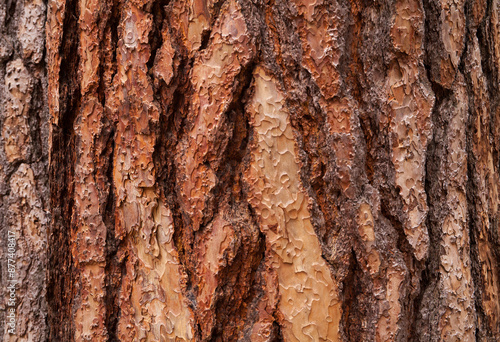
{"x": 249, "y": 170}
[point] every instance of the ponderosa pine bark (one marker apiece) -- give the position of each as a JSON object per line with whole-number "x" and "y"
{"x": 24, "y": 186}
{"x": 250, "y": 170}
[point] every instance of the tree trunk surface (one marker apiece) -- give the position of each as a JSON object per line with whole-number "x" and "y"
{"x": 250, "y": 170}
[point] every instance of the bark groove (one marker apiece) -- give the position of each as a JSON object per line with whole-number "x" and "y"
{"x": 251, "y": 170}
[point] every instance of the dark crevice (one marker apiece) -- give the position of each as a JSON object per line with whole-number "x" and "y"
{"x": 63, "y": 158}
{"x": 155, "y": 37}
{"x": 487, "y": 52}
{"x": 172, "y": 99}
{"x": 59, "y": 282}
{"x": 237, "y": 282}
{"x": 357, "y": 84}
{"x": 110, "y": 22}
{"x": 205, "y": 37}
{"x": 226, "y": 313}
{"x": 490, "y": 71}
{"x": 237, "y": 144}
{"x": 172, "y": 126}
{"x": 387, "y": 211}
{"x": 368, "y": 132}
{"x": 432, "y": 39}
{"x": 276, "y": 334}
{"x": 69, "y": 91}
{"x": 350, "y": 304}
{"x": 113, "y": 26}
{"x": 483, "y": 331}
{"x": 214, "y": 15}
{"x": 10, "y": 6}
{"x": 257, "y": 290}
{"x": 165, "y": 152}
{"x": 108, "y": 29}
{"x": 216, "y": 9}
{"x": 392, "y": 213}
{"x": 60, "y": 289}
{"x": 461, "y": 64}
{"x": 474, "y": 252}
{"x": 113, "y": 266}
{"x": 427, "y": 278}
{"x": 435, "y": 196}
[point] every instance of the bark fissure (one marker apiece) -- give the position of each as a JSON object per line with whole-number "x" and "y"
{"x": 249, "y": 170}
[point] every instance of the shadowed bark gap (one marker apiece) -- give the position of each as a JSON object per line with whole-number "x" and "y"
{"x": 60, "y": 284}
{"x": 250, "y": 170}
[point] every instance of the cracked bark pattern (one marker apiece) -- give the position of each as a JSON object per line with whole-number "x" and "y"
{"x": 24, "y": 193}
{"x": 251, "y": 170}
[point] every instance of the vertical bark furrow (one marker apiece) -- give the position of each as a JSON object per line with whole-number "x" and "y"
{"x": 63, "y": 97}
{"x": 208, "y": 172}
{"x": 444, "y": 39}
{"x": 251, "y": 170}
{"x": 447, "y": 307}
{"x": 321, "y": 31}
{"x": 377, "y": 263}
{"x": 151, "y": 299}
{"x": 483, "y": 194}
{"x": 214, "y": 81}
{"x": 192, "y": 20}
{"x": 228, "y": 256}
{"x": 260, "y": 313}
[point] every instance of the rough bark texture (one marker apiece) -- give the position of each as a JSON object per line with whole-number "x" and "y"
{"x": 251, "y": 170}
{"x": 24, "y": 150}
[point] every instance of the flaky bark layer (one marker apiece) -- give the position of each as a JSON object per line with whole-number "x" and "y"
{"x": 251, "y": 170}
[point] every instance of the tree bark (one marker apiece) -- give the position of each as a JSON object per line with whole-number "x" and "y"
{"x": 250, "y": 170}
{"x": 24, "y": 192}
